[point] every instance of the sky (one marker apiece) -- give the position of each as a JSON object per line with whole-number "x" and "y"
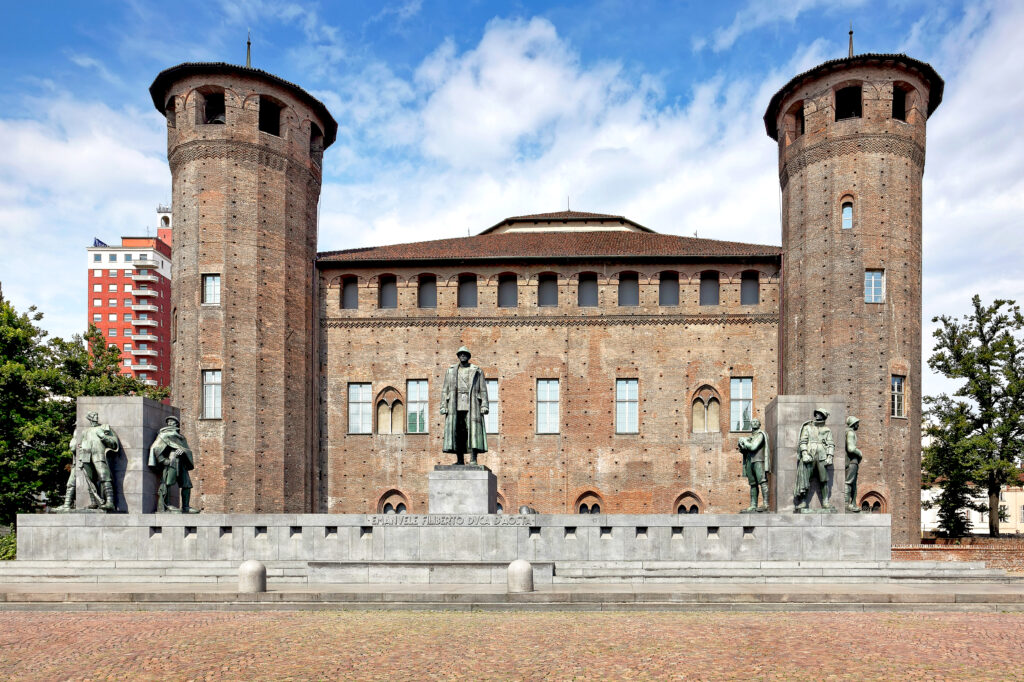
{"x": 454, "y": 115}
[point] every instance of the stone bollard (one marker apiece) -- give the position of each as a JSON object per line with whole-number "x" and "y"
{"x": 520, "y": 576}
{"x": 252, "y": 577}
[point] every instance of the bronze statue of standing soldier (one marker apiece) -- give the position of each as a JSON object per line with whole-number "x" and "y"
{"x": 90, "y": 448}
{"x": 756, "y": 463}
{"x": 171, "y": 453}
{"x": 815, "y": 452}
{"x": 464, "y": 406}
{"x": 853, "y": 459}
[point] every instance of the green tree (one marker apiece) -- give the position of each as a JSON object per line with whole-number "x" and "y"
{"x": 40, "y": 381}
{"x": 978, "y": 433}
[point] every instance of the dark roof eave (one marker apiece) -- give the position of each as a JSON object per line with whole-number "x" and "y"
{"x": 648, "y": 258}
{"x": 163, "y": 80}
{"x": 927, "y": 71}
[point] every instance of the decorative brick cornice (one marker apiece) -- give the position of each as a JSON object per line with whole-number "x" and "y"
{"x": 605, "y": 320}
{"x": 851, "y": 144}
{"x": 234, "y": 150}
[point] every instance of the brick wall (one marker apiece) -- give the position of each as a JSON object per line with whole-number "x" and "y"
{"x": 1008, "y": 555}
{"x": 672, "y": 351}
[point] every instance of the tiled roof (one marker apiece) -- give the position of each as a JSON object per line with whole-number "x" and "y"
{"x": 554, "y": 245}
{"x": 163, "y": 80}
{"x": 930, "y": 75}
{"x": 566, "y": 216}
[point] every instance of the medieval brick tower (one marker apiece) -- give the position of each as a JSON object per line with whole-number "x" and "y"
{"x": 245, "y": 150}
{"x": 851, "y": 136}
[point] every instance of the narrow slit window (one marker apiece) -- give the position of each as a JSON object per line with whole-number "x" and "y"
{"x": 547, "y": 405}
{"x": 750, "y": 288}
{"x": 626, "y": 406}
{"x": 847, "y": 213}
{"x": 899, "y": 103}
{"x": 508, "y": 291}
{"x": 387, "y": 292}
{"x": 547, "y": 289}
{"x": 587, "y": 290}
{"x": 709, "y": 288}
{"x": 426, "y": 291}
{"x": 899, "y": 396}
{"x": 467, "y": 291}
{"x": 416, "y": 391}
{"x": 316, "y": 144}
{"x": 491, "y": 419}
{"x": 360, "y": 411}
{"x": 629, "y": 289}
{"x": 211, "y": 394}
{"x": 741, "y": 403}
{"x": 668, "y": 289}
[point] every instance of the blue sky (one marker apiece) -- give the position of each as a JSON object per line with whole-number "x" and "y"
{"x": 454, "y": 115}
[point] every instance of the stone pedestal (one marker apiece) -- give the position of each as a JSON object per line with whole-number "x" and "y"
{"x": 136, "y": 421}
{"x": 783, "y": 418}
{"x": 467, "y": 489}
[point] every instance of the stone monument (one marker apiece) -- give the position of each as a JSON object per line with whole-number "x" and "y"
{"x": 463, "y": 488}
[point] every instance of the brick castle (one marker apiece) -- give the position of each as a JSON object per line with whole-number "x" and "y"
{"x": 623, "y": 364}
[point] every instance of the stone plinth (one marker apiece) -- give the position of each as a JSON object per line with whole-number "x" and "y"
{"x": 783, "y": 418}
{"x": 462, "y": 489}
{"x": 136, "y": 421}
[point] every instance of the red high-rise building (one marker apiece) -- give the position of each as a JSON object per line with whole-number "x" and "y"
{"x": 130, "y": 300}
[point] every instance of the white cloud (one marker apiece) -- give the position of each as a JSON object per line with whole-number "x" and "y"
{"x": 758, "y": 13}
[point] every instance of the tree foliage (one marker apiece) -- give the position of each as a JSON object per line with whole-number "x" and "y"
{"x": 40, "y": 380}
{"x": 977, "y": 434}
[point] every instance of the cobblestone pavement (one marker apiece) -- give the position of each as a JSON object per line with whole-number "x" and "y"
{"x": 497, "y": 646}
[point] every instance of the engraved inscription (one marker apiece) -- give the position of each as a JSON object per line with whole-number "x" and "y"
{"x": 456, "y": 520}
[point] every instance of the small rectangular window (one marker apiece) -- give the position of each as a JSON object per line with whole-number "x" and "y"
{"x": 899, "y": 395}
{"x": 112, "y": 273}
{"x": 848, "y": 102}
{"x": 899, "y": 103}
{"x": 127, "y": 288}
{"x": 127, "y": 302}
{"x": 112, "y": 257}
{"x": 127, "y": 259}
{"x": 508, "y": 291}
{"x": 97, "y": 303}
{"x": 126, "y": 332}
{"x": 626, "y": 406}
{"x": 127, "y": 362}
{"x": 211, "y": 289}
{"x": 547, "y": 289}
{"x": 112, "y": 287}
{"x": 587, "y": 290}
{"x": 96, "y": 317}
{"x": 491, "y": 420}
{"x": 741, "y": 403}
{"x": 127, "y": 346}
{"x": 426, "y": 291}
{"x": 350, "y": 293}
{"x": 96, "y": 258}
{"x": 359, "y": 408}
{"x": 547, "y": 406}
{"x": 111, "y": 302}
{"x": 111, "y": 332}
{"x": 419, "y": 405}
{"x": 467, "y": 291}
{"x": 874, "y": 286}
{"x": 750, "y": 288}
{"x": 97, "y": 287}
{"x": 709, "y": 288}
{"x": 270, "y": 117}
{"x": 97, "y": 273}
{"x": 112, "y": 317}
{"x": 668, "y": 289}
{"x": 127, "y": 317}
{"x": 629, "y": 289}
{"x": 211, "y": 393}
{"x": 387, "y": 291}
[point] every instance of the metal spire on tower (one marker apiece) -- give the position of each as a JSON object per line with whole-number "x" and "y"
{"x": 851, "y": 39}
{"x": 248, "y": 49}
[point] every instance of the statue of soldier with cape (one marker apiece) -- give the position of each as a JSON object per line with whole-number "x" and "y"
{"x": 170, "y": 452}
{"x": 464, "y": 406}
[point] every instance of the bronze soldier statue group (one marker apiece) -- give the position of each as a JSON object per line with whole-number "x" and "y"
{"x": 169, "y": 455}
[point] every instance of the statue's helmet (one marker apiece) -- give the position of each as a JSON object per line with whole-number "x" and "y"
{"x": 461, "y": 350}
{"x": 824, "y": 415}
{"x": 852, "y": 421}
{"x": 172, "y": 421}
{"x": 93, "y": 417}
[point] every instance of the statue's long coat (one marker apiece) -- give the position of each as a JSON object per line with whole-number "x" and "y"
{"x": 477, "y": 409}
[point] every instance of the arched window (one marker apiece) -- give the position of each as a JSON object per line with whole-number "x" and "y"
{"x": 629, "y": 289}
{"x": 846, "y": 211}
{"x": 350, "y": 293}
{"x": 508, "y": 291}
{"x": 873, "y": 503}
{"x": 210, "y": 108}
{"x": 794, "y": 122}
{"x": 316, "y": 144}
{"x": 750, "y": 288}
{"x": 709, "y": 287}
{"x": 426, "y": 291}
{"x": 668, "y": 288}
{"x": 589, "y": 503}
{"x": 393, "y": 502}
{"x": 387, "y": 291}
{"x": 467, "y": 291}
{"x": 171, "y": 113}
{"x": 688, "y": 503}
{"x": 848, "y": 102}
{"x": 706, "y": 411}
{"x": 270, "y": 116}
{"x": 547, "y": 289}
{"x": 586, "y": 290}
{"x": 390, "y": 412}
